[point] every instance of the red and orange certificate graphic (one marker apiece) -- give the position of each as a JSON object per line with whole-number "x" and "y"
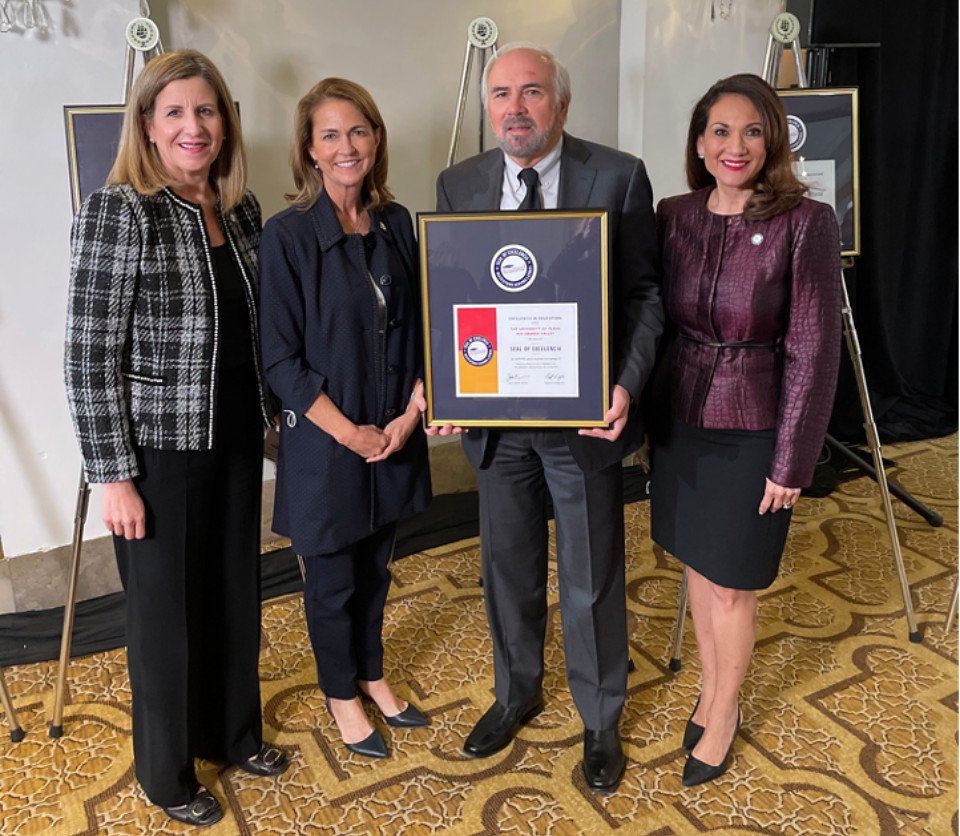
{"x": 476, "y": 336}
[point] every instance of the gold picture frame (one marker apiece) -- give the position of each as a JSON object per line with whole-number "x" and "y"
{"x": 825, "y": 139}
{"x": 516, "y": 318}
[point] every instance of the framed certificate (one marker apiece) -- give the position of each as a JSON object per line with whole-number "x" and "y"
{"x": 515, "y": 318}
{"x": 823, "y": 134}
{"x": 93, "y": 134}
{"x": 93, "y": 137}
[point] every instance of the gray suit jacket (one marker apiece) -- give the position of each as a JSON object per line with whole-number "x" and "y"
{"x": 592, "y": 176}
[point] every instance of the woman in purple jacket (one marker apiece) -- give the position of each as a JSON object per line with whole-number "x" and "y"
{"x": 751, "y": 280}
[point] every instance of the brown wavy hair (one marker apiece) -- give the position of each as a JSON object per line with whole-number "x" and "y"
{"x": 138, "y": 162}
{"x": 306, "y": 177}
{"x": 776, "y": 188}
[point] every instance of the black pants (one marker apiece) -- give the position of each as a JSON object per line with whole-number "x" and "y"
{"x": 193, "y": 608}
{"x": 588, "y": 508}
{"x": 344, "y": 596}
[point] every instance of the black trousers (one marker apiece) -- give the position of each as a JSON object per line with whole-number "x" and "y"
{"x": 193, "y": 606}
{"x": 588, "y": 508}
{"x": 344, "y": 596}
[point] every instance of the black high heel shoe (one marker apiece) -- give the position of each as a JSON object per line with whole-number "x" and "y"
{"x": 693, "y": 731}
{"x": 410, "y": 718}
{"x": 697, "y": 772}
{"x": 372, "y": 746}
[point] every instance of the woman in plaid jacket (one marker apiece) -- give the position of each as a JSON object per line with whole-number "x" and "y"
{"x": 169, "y": 404}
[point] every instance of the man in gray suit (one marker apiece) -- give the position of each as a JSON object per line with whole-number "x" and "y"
{"x": 527, "y": 95}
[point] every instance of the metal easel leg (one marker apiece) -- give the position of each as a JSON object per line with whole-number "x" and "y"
{"x": 948, "y": 624}
{"x": 69, "y": 609}
{"x": 461, "y": 104}
{"x": 482, "y": 35}
{"x": 873, "y": 440}
{"x": 143, "y": 37}
{"x": 16, "y": 732}
{"x": 784, "y": 31}
{"x": 681, "y": 618}
{"x": 896, "y": 489}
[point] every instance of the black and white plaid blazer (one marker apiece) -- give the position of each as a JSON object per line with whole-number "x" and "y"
{"x": 143, "y": 324}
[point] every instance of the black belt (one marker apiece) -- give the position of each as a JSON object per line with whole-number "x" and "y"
{"x": 735, "y": 344}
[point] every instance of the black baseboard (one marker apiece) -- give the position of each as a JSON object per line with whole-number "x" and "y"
{"x": 100, "y": 622}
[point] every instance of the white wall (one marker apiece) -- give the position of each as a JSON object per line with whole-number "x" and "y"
{"x": 77, "y": 64}
{"x": 410, "y": 56}
{"x": 670, "y": 54}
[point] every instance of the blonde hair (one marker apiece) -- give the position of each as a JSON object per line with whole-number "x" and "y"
{"x": 138, "y": 162}
{"x": 306, "y": 177}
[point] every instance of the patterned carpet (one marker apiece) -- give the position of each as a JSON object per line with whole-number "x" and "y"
{"x": 847, "y": 727}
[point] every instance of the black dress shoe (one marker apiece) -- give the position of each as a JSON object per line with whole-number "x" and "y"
{"x": 203, "y": 811}
{"x": 603, "y": 759}
{"x": 268, "y": 761}
{"x": 410, "y": 718}
{"x": 698, "y": 772}
{"x": 498, "y": 726}
{"x": 372, "y": 746}
{"x": 693, "y": 731}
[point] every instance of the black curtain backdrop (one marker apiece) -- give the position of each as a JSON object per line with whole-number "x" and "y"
{"x": 903, "y": 286}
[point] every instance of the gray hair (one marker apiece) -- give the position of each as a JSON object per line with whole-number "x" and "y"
{"x": 561, "y": 78}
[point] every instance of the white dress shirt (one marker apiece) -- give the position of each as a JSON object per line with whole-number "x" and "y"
{"x": 548, "y": 170}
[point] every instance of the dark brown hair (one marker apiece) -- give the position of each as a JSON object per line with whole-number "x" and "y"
{"x": 777, "y": 188}
{"x": 306, "y": 177}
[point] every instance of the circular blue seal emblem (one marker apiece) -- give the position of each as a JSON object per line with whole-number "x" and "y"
{"x": 477, "y": 351}
{"x": 513, "y": 268}
{"x": 796, "y": 132}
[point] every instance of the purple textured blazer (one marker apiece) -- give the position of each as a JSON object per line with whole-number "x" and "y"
{"x": 755, "y": 310}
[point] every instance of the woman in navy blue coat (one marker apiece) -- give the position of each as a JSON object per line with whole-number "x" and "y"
{"x": 342, "y": 350}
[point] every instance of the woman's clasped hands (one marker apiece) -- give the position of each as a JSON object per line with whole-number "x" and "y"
{"x": 400, "y": 428}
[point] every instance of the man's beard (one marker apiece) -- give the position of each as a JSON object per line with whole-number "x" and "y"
{"x": 525, "y": 147}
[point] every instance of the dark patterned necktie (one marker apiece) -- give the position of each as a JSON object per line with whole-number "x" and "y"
{"x": 531, "y": 200}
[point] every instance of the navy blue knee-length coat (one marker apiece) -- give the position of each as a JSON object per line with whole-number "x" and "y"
{"x": 321, "y": 332}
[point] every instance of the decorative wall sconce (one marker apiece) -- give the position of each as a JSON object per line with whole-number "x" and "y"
{"x": 22, "y": 16}
{"x": 25, "y": 16}
{"x": 720, "y": 9}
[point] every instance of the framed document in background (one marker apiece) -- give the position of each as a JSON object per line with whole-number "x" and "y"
{"x": 93, "y": 135}
{"x": 515, "y": 318}
{"x": 824, "y": 138}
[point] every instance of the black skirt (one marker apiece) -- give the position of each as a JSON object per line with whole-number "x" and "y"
{"x": 705, "y": 490}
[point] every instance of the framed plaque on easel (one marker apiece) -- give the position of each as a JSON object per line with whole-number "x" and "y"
{"x": 824, "y": 138}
